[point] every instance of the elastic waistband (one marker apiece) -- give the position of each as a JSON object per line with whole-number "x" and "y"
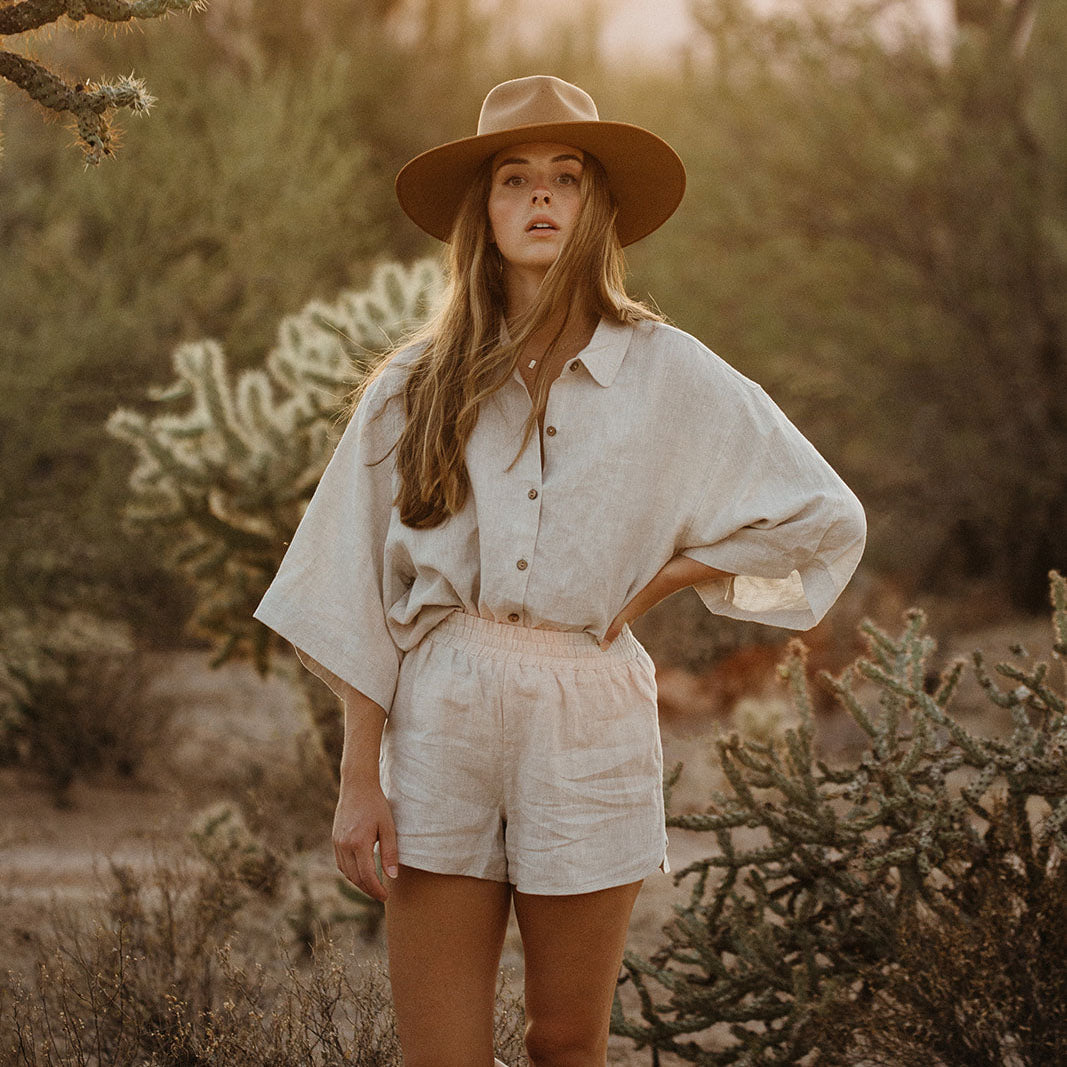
{"x": 576, "y": 648}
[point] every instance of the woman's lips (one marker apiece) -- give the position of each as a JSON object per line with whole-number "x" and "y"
{"x": 541, "y": 224}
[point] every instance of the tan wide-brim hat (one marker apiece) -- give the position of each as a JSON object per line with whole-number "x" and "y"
{"x": 646, "y": 176}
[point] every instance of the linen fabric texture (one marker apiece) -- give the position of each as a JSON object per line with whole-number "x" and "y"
{"x": 527, "y": 756}
{"x": 652, "y": 445}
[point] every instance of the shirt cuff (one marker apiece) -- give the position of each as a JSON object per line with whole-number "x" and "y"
{"x": 372, "y": 672}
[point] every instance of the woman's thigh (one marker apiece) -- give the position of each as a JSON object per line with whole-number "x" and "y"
{"x": 445, "y": 935}
{"x": 573, "y": 947}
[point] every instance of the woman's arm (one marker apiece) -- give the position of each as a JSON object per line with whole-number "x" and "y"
{"x": 678, "y": 573}
{"x": 363, "y": 817}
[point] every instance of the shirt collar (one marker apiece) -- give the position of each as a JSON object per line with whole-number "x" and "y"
{"x": 606, "y": 350}
{"x": 604, "y": 354}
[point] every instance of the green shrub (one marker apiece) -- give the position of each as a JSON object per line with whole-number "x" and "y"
{"x": 827, "y": 882}
{"x": 253, "y": 191}
{"x": 73, "y": 697}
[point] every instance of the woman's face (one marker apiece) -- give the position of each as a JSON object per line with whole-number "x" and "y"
{"x": 533, "y": 203}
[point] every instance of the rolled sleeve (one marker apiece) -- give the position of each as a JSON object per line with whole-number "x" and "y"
{"x": 328, "y": 597}
{"x": 776, "y": 516}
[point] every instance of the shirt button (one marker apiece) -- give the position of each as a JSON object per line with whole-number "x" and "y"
{"x": 532, "y": 494}
{"x": 513, "y": 617}
{"x": 522, "y": 564}
{"x": 550, "y": 431}
{"x": 575, "y": 365}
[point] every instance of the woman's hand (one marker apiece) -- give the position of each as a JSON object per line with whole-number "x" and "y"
{"x": 362, "y": 819}
{"x": 678, "y": 573}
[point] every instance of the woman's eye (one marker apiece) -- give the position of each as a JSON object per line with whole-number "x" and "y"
{"x": 514, "y": 179}
{"x": 568, "y": 179}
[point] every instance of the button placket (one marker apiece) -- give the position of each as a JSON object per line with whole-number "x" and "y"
{"x": 522, "y": 527}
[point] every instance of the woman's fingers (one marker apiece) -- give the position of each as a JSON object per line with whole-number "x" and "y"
{"x": 346, "y": 864}
{"x": 356, "y": 862}
{"x": 387, "y": 847}
{"x": 368, "y": 873}
{"x": 616, "y": 626}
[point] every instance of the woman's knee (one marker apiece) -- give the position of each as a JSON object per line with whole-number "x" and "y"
{"x": 561, "y": 1043}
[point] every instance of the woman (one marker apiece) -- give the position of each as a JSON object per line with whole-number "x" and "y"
{"x": 543, "y": 465}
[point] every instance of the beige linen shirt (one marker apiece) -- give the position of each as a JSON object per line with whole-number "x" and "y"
{"x": 653, "y": 447}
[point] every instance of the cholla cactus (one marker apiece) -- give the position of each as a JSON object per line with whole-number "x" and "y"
{"x": 819, "y": 872}
{"x": 229, "y": 477}
{"x": 89, "y": 104}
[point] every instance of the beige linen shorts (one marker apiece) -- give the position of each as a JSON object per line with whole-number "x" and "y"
{"x": 526, "y": 756}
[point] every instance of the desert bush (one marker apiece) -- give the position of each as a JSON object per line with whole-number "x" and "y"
{"x": 73, "y": 697}
{"x": 979, "y": 984}
{"x": 255, "y": 191}
{"x": 827, "y": 883}
{"x": 862, "y": 197}
{"x": 172, "y": 969}
{"x": 242, "y": 858}
{"x": 223, "y": 839}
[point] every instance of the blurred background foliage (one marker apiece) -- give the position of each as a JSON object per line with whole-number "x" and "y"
{"x": 875, "y": 229}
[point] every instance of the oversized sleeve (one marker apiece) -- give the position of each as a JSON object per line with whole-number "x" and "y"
{"x": 773, "y": 513}
{"x": 328, "y": 597}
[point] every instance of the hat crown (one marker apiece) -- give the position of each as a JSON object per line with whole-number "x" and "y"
{"x": 532, "y": 101}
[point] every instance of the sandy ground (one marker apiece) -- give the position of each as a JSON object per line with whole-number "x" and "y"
{"x": 244, "y": 737}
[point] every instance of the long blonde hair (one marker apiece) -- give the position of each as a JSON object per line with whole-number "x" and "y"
{"x": 465, "y": 357}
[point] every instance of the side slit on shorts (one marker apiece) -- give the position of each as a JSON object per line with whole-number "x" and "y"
{"x": 526, "y": 756}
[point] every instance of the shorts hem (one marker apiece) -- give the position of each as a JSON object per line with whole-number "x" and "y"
{"x": 593, "y": 885}
{"x": 436, "y": 865}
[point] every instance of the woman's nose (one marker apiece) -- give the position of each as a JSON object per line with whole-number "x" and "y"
{"x": 541, "y": 196}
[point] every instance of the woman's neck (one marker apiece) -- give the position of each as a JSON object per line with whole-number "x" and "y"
{"x": 521, "y": 289}
{"x": 573, "y": 323}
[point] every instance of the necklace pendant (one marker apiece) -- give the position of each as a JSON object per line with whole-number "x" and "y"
{"x": 531, "y": 364}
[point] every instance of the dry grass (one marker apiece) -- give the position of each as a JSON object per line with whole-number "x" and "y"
{"x": 184, "y": 966}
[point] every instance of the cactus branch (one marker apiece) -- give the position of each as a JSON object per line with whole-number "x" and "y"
{"x": 816, "y": 874}
{"x": 90, "y": 105}
{"x": 32, "y": 14}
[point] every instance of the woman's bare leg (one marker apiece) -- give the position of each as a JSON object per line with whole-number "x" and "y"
{"x": 445, "y": 936}
{"x": 573, "y": 947}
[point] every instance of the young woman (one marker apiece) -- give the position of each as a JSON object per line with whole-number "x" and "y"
{"x": 546, "y": 462}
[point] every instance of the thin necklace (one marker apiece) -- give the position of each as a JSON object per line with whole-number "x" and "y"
{"x": 531, "y": 364}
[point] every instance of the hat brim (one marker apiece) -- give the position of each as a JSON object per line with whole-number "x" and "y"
{"x": 645, "y": 174}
